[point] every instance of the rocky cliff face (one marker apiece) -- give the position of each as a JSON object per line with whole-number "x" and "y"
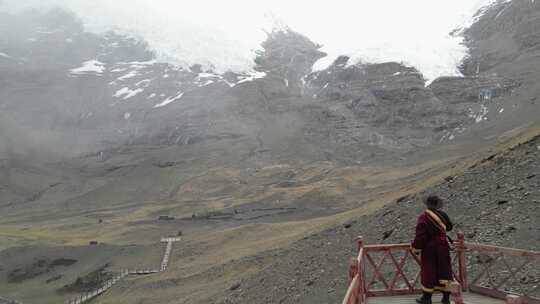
{"x": 507, "y": 32}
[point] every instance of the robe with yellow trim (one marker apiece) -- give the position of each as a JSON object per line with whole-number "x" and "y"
{"x": 432, "y": 241}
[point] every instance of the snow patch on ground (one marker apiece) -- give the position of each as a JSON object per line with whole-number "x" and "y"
{"x": 138, "y": 64}
{"x": 144, "y": 83}
{"x": 452, "y": 134}
{"x": 43, "y": 31}
{"x": 480, "y": 115}
{"x": 128, "y": 75}
{"x": 127, "y": 115}
{"x": 208, "y": 75}
{"x": 250, "y": 77}
{"x": 4, "y": 55}
{"x": 89, "y": 67}
{"x": 119, "y": 70}
{"x": 169, "y": 100}
{"x": 204, "y": 79}
{"x": 127, "y": 93}
{"x": 203, "y": 84}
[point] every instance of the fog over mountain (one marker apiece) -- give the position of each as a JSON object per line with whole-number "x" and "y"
{"x": 224, "y": 34}
{"x": 252, "y": 131}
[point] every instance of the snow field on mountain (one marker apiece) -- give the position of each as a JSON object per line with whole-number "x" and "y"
{"x": 224, "y": 35}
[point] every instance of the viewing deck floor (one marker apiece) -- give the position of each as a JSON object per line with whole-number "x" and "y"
{"x": 469, "y": 298}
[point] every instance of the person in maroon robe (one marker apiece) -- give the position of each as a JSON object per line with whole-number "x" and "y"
{"x": 433, "y": 244}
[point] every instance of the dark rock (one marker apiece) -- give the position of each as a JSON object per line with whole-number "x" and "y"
{"x": 63, "y": 262}
{"x": 387, "y": 213}
{"x": 235, "y": 286}
{"x": 483, "y": 259}
{"x": 470, "y": 234}
{"x": 55, "y": 278}
{"x": 387, "y": 234}
{"x": 402, "y": 199}
{"x": 287, "y": 184}
{"x": 166, "y": 164}
{"x": 166, "y": 218}
{"x": 196, "y": 68}
{"x": 510, "y": 229}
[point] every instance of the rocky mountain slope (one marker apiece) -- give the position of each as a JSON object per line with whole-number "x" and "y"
{"x": 495, "y": 202}
{"x": 99, "y": 140}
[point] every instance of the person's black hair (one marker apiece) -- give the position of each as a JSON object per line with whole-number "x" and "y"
{"x": 433, "y": 201}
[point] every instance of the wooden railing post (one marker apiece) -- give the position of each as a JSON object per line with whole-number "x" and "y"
{"x": 462, "y": 261}
{"x": 361, "y": 270}
{"x": 360, "y": 243}
{"x": 456, "y": 291}
{"x": 353, "y": 269}
{"x": 513, "y": 299}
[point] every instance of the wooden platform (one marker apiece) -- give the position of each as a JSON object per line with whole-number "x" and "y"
{"x": 469, "y": 298}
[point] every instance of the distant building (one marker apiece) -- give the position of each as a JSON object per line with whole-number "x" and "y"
{"x": 166, "y": 218}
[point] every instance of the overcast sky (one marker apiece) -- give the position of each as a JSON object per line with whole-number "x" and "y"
{"x": 225, "y": 33}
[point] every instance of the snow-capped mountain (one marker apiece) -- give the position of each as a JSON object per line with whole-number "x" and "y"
{"x": 112, "y": 88}
{"x": 74, "y": 93}
{"x": 224, "y": 38}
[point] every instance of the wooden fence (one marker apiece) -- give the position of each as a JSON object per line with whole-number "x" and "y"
{"x": 499, "y": 271}
{"x": 390, "y": 270}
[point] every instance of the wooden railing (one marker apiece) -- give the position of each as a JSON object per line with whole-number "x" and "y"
{"x": 356, "y": 293}
{"x": 499, "y": 271}
{"x": 388, "y": 270}
{"x": 391, "y": 270}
